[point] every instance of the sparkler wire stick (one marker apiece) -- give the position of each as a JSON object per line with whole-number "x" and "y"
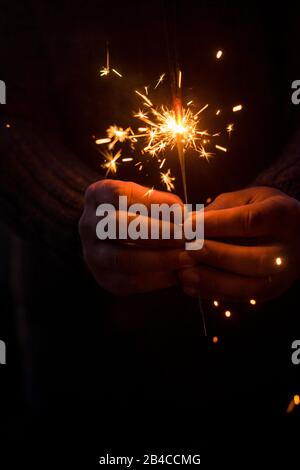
{"x": 176, "y": 82}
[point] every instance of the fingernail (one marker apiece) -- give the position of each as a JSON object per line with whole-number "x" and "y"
{"x": 186, "y": 260}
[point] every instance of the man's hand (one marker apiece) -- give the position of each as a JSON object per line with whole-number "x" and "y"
{"x": 251, "y": 248}
{"x": 126, "y": 268}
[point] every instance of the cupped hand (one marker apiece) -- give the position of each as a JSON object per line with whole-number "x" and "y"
{"x": 251, "y": 247}
{"x": 121, "y": 266}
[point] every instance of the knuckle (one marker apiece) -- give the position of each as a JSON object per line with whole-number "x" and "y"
{"x": 252, "y": 219}
{"x": 105, "y": 191}
{"x": 108, "y": 191}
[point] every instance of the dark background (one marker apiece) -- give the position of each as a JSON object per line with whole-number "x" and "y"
{"x": 160, "y": 385}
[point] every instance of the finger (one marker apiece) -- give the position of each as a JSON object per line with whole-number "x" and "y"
{"x": 148, "y": 231}
{"x": 242, "y": 197}
{"x": 131, "y": 228}
{"x": 125, "y": 259}
{"x": 253, "y": 220}
{"x": 256, "y": 261}
{"x": 231, "y": 199}
{"x": 210, "y": 282}
{"x": 122, "y": 285}
{"x": 109, "y": 191}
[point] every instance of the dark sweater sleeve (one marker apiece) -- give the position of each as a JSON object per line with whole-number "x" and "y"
{"x": 285, "y": 173}
{"x": 42, "y": 182}
{"x": 42, "y": 187}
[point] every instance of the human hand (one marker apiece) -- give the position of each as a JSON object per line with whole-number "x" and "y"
{"x": 121, "y": 267}
{"x": 251, "y": 247}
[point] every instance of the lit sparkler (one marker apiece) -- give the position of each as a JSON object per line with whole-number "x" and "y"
{"x": 165, "y": 129}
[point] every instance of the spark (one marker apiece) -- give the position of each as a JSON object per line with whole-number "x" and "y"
{"x": 216, "y": 303}
{"x": 219, "y": 147}
{"x": 162, "y": 163}
{"x": 278, "y": 261}
{"x": 117, "y": 134}
{"x": 149, "y": 192}
{"x": 203, "y": 153}
{"x": 160, "y": 80}
{"x": 103, "y": 141}
{"x": 295, "y": 401}
{"x": 111, "y": 161}
{"x": 229, "y": 128}
{"x": 167, "y": 179}
{"x": 104, "y": 71}
{"x": 106, "y": 68}
{"x": 189, "y": 103}
{"x": 202, "y": 109}
{"x": 252, "y": 301}
{"x": 215, "y": 339}
{"x": 127, "y": 159}
{"x": 219, "y": 54}
{"x": 148, "y": 102}
{"x": 117, "y": 73}
{"x": 218, "y": 112}
{"x": 236, "y": 108}
{"x": 7, "y": 126}
{"x": 227, "y": 314}
{"x": 179, "y": 79}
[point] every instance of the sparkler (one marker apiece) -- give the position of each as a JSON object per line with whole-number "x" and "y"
{"x": 164, "y": 129}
